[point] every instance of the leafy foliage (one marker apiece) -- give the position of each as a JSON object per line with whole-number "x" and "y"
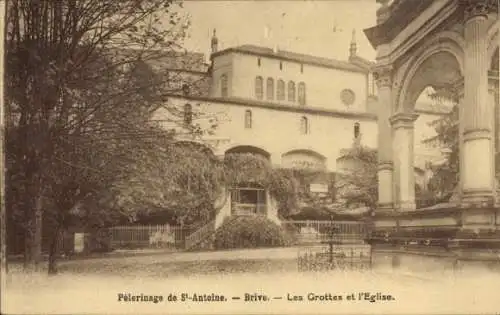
{"x": 79, "y": 102}
{"x": 445, "y": 176}
{"x": 184, "y": 179}
{"x": 250, "y": 232}
{"x": 357, "y": 185}
{"x": 289, "y": 187}
{"x": 248, "y": 168}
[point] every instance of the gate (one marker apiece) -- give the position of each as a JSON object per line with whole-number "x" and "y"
{"x": 329, "y": 245}
{"x": 335, "y": 257}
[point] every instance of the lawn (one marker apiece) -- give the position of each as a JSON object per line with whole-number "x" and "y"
{"x": 93, "y": 286}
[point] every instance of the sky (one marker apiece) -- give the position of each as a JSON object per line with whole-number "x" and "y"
{"x": 317, "y": 27}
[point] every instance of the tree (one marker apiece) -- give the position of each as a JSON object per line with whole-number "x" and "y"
{"x": 183, "y": 178}
{"x": 80, "y": 99}
{"x": 444, "y": 180}
{"x": 357, "y": 185}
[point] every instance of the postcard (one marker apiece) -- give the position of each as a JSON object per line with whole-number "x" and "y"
{"x": 250, "y": 157}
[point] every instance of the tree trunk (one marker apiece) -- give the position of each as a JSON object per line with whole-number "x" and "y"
{"x": 33, "y": 240}
{"x": 3, "y": 242}
{"x": 54, "y": 250}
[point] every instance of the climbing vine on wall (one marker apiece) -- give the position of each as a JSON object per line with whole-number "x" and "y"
{"x": 289, "y": 187}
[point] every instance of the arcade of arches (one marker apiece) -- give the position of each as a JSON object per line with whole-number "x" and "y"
{"x": 463, "y": 57}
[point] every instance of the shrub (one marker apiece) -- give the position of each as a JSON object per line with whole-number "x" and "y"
{"x": 250, "y": 232}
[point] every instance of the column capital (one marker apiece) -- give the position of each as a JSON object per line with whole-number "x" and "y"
{"x": 383, "y": 75}
{"x": 478, "y": 8}
{"x": 403, "y": 120}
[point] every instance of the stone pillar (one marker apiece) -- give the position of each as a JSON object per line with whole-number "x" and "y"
{"x": 477, "y": 174}
{"x": 459, "y": 88}
{"x": 383, "y": 76}
{"x": 402, "y": 125}
{"x": 493, "y": 104}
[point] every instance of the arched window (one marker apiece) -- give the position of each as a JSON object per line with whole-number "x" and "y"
{"x": 258, "y": 62}
{"x": 304, "y": 125}
{"x": 259, "y": 88}
{"x": 281, "y": 65}
{"x": 356, "y": 130}
{"x": 302, "y": 93}
{"x": 248, "y": 119}
{"x": 188, "y": 114}
{"x": 291, "y": 91}
{"x": 270, "y": 89}
{"x": 223, "y": 85}
{"x": 281, "y": 90}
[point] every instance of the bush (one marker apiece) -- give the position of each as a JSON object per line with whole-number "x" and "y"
{"x": 250, "y": 232}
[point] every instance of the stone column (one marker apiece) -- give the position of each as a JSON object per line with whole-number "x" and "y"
{"x": 383, "y": 76}
{"x": 493, "y": 103}
{"x": 459, "y": 88}
{"x": 402, "y": 125}
{"x": 477, "y": 175}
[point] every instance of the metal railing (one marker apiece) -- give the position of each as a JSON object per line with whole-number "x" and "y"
{"x": 148, "y": 236}
{"x": 315, "y": 231}
{"x": 200, "y": 234}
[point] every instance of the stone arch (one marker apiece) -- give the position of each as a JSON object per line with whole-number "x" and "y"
{"x": 447, "y": 42}
{"x": 249, "y": 149}
{"x": 303, "y": 158}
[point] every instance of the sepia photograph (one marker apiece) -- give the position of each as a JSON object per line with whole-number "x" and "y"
{"x": 250, "y": 157}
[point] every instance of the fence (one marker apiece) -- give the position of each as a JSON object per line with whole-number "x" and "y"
{"x": 166, "y": 236}
{"x": 149, "y": 236}
{"x": 311, "y": 232}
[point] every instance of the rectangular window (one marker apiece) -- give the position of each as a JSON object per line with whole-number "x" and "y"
{"x": 304, "y": 126}
{"x": 248, "y": 119}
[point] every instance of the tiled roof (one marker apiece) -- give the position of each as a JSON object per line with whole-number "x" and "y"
{"x": 292, "y": 56}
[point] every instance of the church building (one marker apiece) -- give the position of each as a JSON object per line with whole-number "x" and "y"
{"x": 295, "y": 110}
